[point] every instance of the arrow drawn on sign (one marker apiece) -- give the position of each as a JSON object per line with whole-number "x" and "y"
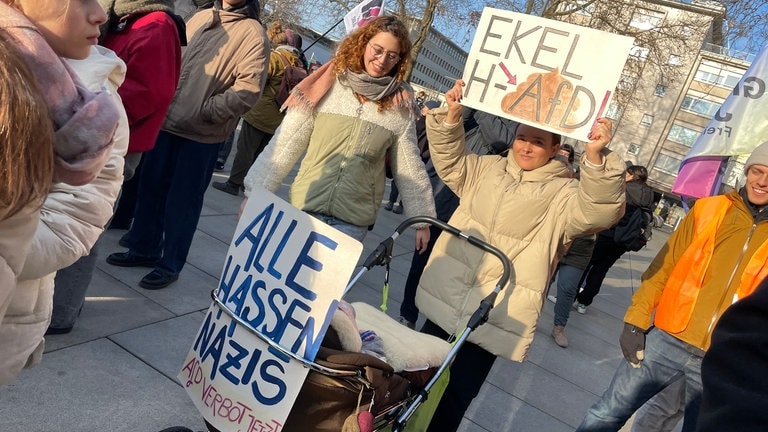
{"x": 512, "y": 79}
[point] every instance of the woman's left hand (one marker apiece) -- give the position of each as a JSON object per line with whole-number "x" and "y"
{"x": 601, "y": 135}
{"x": 453, "y": 100}
{"x": 422, "y": 239}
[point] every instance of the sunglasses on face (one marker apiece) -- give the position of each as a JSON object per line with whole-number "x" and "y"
{"x": 389, "y": 56}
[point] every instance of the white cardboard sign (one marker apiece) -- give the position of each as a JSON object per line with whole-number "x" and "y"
{"x": 550, "y": 74}
{"x": 284, "y": 274}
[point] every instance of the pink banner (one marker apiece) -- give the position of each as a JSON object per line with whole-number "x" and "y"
{"x": 699, "y": 177}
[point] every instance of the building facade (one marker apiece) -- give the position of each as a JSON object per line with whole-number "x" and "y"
{"x": 439, "y": 64}
{"x": 666, "y": 115}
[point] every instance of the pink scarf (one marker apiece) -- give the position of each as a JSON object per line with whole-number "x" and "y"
{"x": 311, "y": 90}
{"x": 84, "y": 122}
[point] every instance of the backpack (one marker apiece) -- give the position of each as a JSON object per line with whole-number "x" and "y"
{"x": 292, "y": 75}
{"x": 633, "y": 232}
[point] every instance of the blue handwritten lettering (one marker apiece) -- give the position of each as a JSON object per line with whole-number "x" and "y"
{"x": 305, "y": 260}
{"x": 227, "y": 280}
{"x": 262, "y": 219}
{"x": 276, "y": 292}
{"x": 233, "y": 361}
{"x": 280, "y": 247}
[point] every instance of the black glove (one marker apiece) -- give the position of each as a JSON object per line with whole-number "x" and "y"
{"x": 632, "y": 341}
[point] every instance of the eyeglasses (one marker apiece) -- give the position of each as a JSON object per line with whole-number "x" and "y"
{"x": 389, "y": 56}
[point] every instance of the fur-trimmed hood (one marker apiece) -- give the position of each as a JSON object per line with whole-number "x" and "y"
{"x": 121, "y": 8}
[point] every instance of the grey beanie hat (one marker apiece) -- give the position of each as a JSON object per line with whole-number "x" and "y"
{"x": 759, "y": 156}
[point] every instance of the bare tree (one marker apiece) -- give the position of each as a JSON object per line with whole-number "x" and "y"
{"x": 745, "y": 27}
{"x": 657, "y": 42}
{"x": 286, "y": 11}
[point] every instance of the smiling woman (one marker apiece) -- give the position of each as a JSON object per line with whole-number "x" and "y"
{"x": 530, "y": 207}
{"x": 349, "y": 117}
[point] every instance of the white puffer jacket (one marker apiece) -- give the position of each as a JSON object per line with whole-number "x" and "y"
{"x": 72, "y": 219}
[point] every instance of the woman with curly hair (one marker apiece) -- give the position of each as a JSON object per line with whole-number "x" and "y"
{"x": 348, "y": 117}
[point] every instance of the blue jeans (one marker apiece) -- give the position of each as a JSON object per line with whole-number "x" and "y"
{"x": 666, "y": 359}
{"x": 174, "y": 177}
{"x": 356, "y": 232}
{"x": 568, "y": 278}
{"x": 662, "y": 412}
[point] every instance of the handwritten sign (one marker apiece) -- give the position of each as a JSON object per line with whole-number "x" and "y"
{"x": 283, "y": 275}
{"x": 553, "y": 75}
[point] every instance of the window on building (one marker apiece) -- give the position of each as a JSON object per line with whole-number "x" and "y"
{"x": 674, "y": 60}
{"x": 699, "y": 106}
{"x": 639, "y": 53}
{"x": 633, "y": 149}
{"x": 682, "y": 135}
{"x": 613, "y": 112}
{"x": 661, "y": 90}
{"x": 668, "y": 164}
{"x": 627, "y": 81}
{"x": 713, "y": 73}
{"x": 730, "y": 81}
{"x": 646, "y": 120}
{"x": 646, "y": 19}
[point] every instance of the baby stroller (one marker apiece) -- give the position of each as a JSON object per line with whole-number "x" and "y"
{"x": 342, "y": 382}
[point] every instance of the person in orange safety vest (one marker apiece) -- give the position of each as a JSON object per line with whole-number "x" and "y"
{"x": 718, "y": 255}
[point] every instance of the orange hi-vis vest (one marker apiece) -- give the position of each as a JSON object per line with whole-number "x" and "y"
{"x": 678, "y": 299}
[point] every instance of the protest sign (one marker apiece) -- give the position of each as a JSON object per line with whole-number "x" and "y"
{"x": 549, "y": 74}
{"x": 283, "y": 276}
{"x": 359, "y": 15}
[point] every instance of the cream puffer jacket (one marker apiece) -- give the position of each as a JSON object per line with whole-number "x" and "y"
{"x": 72, "y": 219}
{"x": 528, "y": 215}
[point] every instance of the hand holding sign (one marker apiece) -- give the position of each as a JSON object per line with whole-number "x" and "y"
{"x": 453, "y": 99}
{"x": 542, "y": 72}
{"x": 601, "y": 134}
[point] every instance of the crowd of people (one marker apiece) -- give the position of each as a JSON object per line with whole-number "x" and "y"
{"x": 103, "y": 114}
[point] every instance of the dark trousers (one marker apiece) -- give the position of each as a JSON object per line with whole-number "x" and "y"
{"x": 604, "y": 256}
{"x": 468, "y": 373}
{"x": 70, "y": 286}
{"x": 126, "y": 203}
{"x": 408, "y": 309}
{"x": 174, "y": 177}
{"x": 250, "y": 144}
{"x": 393, "y": 193}
{"x": 226, "y": 148}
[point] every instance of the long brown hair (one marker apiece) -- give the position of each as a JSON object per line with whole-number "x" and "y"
{"x": 352, "y": 49}
{"x": 26, "y": 135}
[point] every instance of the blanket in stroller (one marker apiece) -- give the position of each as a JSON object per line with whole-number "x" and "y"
{"x": 325, "y": 401}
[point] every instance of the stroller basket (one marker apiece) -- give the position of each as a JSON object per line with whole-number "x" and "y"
{"x": 341, "y": 382}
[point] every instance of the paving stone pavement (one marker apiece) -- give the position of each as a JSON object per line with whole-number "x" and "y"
{"x": 116, "y": 371}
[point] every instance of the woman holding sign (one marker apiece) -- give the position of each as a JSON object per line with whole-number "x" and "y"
{"x": 347, "y": 118}
{"x": 528, "y": 206}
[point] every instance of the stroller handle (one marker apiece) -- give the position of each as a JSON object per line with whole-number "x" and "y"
{"x": 304, "y": 362}
{"x": 383, "y": 252}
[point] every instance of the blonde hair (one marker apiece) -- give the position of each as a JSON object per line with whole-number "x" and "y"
{"x": 276, "y": 34}
{"x": 26, "y": 136}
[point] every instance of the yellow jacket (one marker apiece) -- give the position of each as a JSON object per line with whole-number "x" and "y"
{"x": 737, "y": 238}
